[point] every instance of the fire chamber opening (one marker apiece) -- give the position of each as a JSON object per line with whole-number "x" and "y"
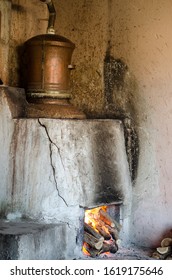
{"x": 101, "y": 230}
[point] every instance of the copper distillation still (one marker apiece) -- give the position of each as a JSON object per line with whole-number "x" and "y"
{"x": 48, "y": 67}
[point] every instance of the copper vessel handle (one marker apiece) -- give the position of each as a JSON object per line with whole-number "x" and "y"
{"x": 71, "y": 67}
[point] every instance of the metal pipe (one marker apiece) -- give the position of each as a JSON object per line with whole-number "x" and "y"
{"x": 52, "y": 16}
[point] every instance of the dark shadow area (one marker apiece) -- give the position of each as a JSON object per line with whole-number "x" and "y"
{"x": 106, "y": 170}
{"x": 22, "y": 62}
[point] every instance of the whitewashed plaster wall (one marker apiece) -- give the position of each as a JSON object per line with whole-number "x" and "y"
{"x": 139, "y": 33}
{"x": 52, "y": 170}
{"x": 143, "y": 38}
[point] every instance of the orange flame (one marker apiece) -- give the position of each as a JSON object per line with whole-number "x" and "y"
{"x": 92, "y": 219}
{"x": 92, "y": 216}
{"x": 85, "y": 250}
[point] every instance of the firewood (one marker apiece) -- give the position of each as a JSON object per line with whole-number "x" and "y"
{"x": 106, "y": 218}
{"x": 156, "y": 255}
{"x": 93, "y": 241}
{"x": 105, "y": 248}
{"x": 92, "y": 251}
{"x": 113, "y": 248}
{"x": 117, "y": 225}
{"x": 164, "y": 250}
{"x": 169, "y": 257}
{"x": 166, "y": 242}
{"x": 109, "y": 247}
{"x": 105, "y": 234}
{"x": 101, "y": 223}
{"x": 114, "y": 232}
{"x": 92, "y": 231}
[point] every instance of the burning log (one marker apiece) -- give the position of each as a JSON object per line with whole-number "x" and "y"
{"x": 96, "y": 245}
{"x": 113, "y": 248}
{"x": 114, "y": 232}
{"x": 103, "y": 232}
{"x": 106, "y": 231}
{"x": 93, "y": 241}
{"x": 92, "y": 231}
{"x": 98, "y": 227}
{"x": 109, "y": 247}
{"x": 92, "y": 251}
{"x": 105, "y": 248}
{"x": 106, "y": 218}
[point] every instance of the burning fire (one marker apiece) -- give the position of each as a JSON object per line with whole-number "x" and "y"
{"x": 100, "y": 232}
{"x": 92, "y": 216}
{"x": 84, "y": 249}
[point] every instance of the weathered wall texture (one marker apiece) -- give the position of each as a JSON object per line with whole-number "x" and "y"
{"x": 135, "y": 34}
{"x": 123, "y": 68}
{"x": 103, "y": 84}
{"x": 5, "y": 15}
{"x": 20, "y": 20}
{"x": 51, "y": 170}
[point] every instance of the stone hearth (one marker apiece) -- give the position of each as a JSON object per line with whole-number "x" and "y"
{"x": 52, "y": 170}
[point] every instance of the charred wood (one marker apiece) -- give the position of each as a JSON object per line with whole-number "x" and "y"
{"x": 106, "y": 218}
{"x": 103, "y": 233}
{"x": 92, "y": 251}
{"x": 114, "y": 233}
{"x": 109, "y": 247}
{"x": 92, "y": 231}
{"x": 93, "y": 241}
{"x": 113, "y": 248}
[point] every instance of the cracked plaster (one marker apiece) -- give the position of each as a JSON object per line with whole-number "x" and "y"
{"x": 57, "y": 168}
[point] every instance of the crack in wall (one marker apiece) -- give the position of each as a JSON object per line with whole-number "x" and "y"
{"x": 51, "y": 143}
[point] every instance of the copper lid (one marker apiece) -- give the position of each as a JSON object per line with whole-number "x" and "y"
{"x": 51, "y": 39}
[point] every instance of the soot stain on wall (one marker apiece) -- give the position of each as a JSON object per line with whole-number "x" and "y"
{"x": 132, "y": 146}
{"x": 114, "y": 74}
{"x": 119, "y": 93}
{"x": 8, "y": 247}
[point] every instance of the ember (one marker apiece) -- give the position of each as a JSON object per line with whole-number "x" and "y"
{"x": 101, "y": 232}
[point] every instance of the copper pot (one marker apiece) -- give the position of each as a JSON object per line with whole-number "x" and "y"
{"x": 48, "y": 59}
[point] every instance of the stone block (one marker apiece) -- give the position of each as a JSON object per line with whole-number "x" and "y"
{"x": 32, "y": 241}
